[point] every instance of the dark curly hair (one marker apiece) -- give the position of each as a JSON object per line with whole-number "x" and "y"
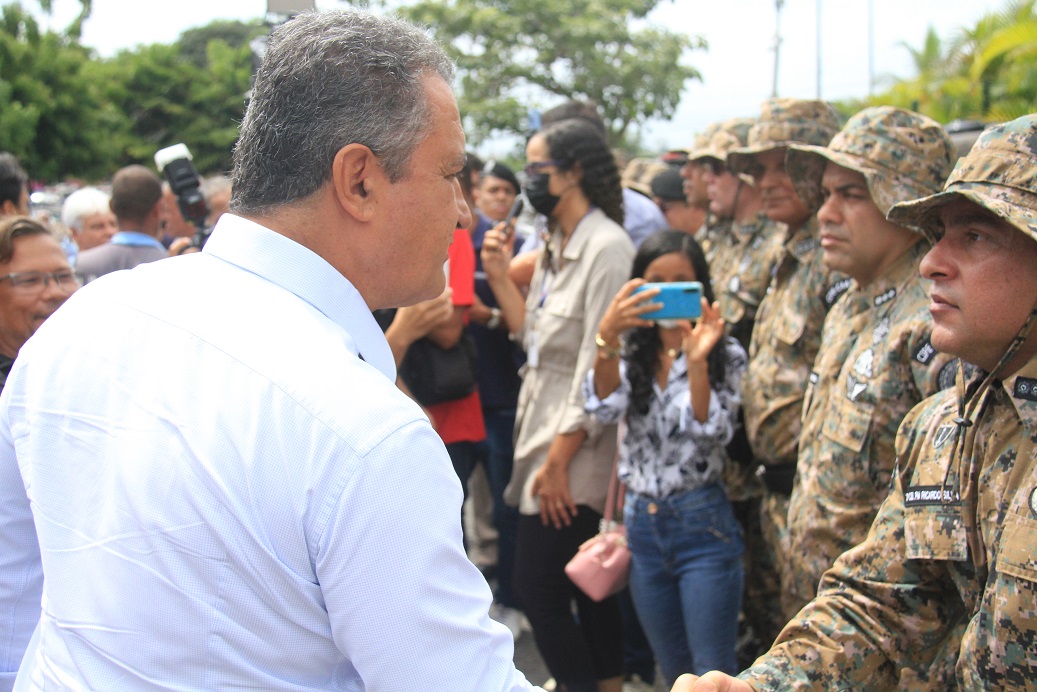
{"x": 577, "y": 143}
{"x": 641, "y": 348}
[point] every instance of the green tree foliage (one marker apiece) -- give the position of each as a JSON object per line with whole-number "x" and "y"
{"x": 50, "y": 113}
{"x": 192, "y": 92}
{"x": 986, "y": 72}
{"x": 68, "y": 114}
{"x": 513, "y": 55}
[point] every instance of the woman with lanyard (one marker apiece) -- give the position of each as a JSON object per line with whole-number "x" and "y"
{"x": 563, "y": 457}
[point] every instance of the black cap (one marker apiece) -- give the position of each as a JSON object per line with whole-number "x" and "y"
{"x": 499, "y": 170}
{"x": 668, "y": 185}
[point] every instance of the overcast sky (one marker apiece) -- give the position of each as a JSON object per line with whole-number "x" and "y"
{"x": 737, "y": 69}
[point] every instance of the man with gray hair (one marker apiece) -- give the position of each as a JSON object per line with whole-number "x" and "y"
{"x": 88, "y": 215}
{"x": 265, "y": 509}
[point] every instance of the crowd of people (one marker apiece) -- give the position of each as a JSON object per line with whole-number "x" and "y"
{"x": 257, "y": 480}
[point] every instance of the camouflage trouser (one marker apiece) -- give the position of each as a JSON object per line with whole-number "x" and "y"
{"x": 762, "y": 597}
{"x": 774, "y": 514}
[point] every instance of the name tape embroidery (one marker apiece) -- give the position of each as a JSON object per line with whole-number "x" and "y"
{"x": 921, "y": 495}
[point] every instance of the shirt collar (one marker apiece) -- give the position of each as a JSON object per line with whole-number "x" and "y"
{"x": 302, "y": 272}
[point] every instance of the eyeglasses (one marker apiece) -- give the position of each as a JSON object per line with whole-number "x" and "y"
{"x": 537, "y": 167}
{"x": 36, "y": 282}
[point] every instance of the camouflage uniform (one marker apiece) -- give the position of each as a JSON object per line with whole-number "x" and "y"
{"x": 785, "y": 340}
{"x": 742, "y": 258}
{"x": 875, "y": 361}
{"x": 713, "y": 228}
{"x": 742, "y": 270}
{"x": 954, "y": 542}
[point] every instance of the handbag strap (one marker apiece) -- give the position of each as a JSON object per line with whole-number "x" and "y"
{"x": 614, "y": 499}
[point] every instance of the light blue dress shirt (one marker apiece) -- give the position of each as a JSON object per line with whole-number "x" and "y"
{"x": 229, "y": 491}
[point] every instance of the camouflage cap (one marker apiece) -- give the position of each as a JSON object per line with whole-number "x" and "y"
{"x": 999, "y": 174}
{"x": 702, "y": 139}
{"x": 638, "y": 174}
{"x": 902, "y": 155}
{"x": 729, "y": 135}
{"x": 783, "y": 122}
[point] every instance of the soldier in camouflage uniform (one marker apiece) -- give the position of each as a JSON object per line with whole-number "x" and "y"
{"x": 876, "y": 360}
{"x": 693, "y": 172}
{"x": 744, "y": 257}
{"x": 955, "y": 542}
{"x": 784, "y": 343}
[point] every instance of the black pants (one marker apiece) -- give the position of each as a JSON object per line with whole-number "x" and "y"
{"x": 578, "y": 650}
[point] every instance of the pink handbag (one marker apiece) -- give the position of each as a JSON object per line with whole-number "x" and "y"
{"x": 601, "y": 567}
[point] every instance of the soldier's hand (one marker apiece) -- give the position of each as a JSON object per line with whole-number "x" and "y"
{"x": 713, "y": 681}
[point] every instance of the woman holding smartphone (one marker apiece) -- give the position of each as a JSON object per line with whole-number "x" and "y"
{"x": 563, "y": 456}
{"x": 677, "y": 385}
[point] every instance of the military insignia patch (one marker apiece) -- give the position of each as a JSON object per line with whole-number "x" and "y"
{"x": 854, "y": 388}
{"x": 881, "y": 331}
{"x": 806, "y": 245}
{"x": 863, "y": 365}
{"x": 836, "y": 290}
{"x": 1025, "y": 388}
{"x": 925, "y": 353}
{"x": 948, "y": 373}
{"x": 943, "y": 435}
{"x": 1033, "y": 501}
{"x": 885, "y": 297}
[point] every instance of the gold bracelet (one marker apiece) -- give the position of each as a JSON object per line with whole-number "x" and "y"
{"x": 605, "y": 349}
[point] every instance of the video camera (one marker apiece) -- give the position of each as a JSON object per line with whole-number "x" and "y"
{"x": 175, "y": 164}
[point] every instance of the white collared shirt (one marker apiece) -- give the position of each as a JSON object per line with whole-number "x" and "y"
{"x": 227, "y": 496}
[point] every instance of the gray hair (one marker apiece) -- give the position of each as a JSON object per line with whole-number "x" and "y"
{"x": 83, "y": 203}
{"x": 330, "y": 79}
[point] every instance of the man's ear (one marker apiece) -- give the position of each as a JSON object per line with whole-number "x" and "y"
{"x": 358, "y": 180}
{"x": 8, "y": 208}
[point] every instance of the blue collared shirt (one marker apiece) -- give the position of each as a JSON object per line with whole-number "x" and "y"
{"x": 229, "y": 491}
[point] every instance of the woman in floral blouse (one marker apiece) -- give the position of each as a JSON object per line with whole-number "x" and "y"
{"x": 677, "y": 385}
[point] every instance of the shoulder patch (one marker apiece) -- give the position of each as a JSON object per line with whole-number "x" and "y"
{"x": 1025, "y": 388}
{"x": 947, "y": 375}
{"x": 925, "y": 352}
{"x": 833, "y": 292}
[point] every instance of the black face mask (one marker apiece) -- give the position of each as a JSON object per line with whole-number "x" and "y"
{"x": 539, "y": 196}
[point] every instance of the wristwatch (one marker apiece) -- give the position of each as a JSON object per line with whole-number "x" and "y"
{"x": 494, "y": 320}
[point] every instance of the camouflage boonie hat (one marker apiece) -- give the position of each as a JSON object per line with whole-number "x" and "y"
{"x": 902, "y": 155}
{"x": 729, "y": 135}
{"x": 702, "y": 140}
{"x": 639, "y": 172}
{"x": 783, "y": 122}
{"x": 999, "y": 174}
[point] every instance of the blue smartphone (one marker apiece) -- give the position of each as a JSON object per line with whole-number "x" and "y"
{"x": 681, "y": 300}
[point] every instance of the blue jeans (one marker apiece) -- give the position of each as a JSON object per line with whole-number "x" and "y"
{"x": 686, "y": 578}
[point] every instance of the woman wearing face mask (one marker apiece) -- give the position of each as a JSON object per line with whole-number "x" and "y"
{"x": 563, "y": 457}
{"x": 678, "y": 387}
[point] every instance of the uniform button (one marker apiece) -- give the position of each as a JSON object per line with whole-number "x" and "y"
{"x": 652, "y": 508}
